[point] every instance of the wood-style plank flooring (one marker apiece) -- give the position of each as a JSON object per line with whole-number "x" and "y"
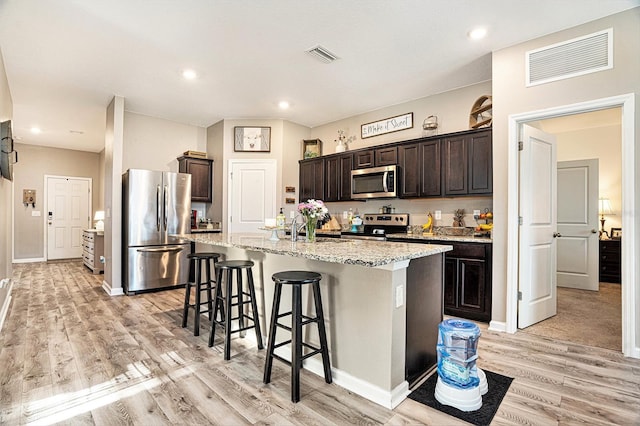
{"x": 69, "y": 353}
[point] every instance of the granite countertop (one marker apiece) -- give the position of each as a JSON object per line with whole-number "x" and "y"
{"x": 334, "y": 250}
{"x": 205, "y": 230}
{"x": 452, "y": 238}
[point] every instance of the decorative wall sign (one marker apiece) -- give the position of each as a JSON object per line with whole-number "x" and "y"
{"x": 388, "y": 125}
{"x": 290, "y": 189}
{"x": 290, "y": 200}
{"x": 252, "y": 139}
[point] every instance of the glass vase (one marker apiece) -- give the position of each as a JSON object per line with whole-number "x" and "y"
{"x": 312, "y": 223}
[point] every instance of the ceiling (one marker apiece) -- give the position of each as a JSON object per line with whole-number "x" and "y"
{"x": 66, "y": 59}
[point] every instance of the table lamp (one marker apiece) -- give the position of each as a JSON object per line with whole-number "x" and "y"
{"x": 99, "y": 218}
{"x": 604, "y": 207}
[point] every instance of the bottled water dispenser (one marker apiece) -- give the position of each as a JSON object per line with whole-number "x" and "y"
{"x": 460, "y": 383}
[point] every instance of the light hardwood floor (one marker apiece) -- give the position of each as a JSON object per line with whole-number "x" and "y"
{"x": 69, "y": 353}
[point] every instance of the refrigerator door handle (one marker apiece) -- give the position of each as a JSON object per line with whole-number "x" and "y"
{"x": 166, "y": 206}
{"x": 161, "y": 250}
{"x": 158, "y": 208}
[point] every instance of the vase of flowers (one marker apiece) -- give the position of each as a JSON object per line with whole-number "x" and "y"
{"x": 312, "y": 211}
{"x": 342, "y": 143}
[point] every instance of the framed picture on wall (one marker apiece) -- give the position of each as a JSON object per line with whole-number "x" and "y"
{"x": 311, "y": 148}
{"x": 252, "y": 139}
{"x": 616, "y": 233}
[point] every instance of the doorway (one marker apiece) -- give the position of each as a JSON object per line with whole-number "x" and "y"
{"x": 252, "y": 194}
{"x": 68, "y": 213}
{"x": 629, "y": 314}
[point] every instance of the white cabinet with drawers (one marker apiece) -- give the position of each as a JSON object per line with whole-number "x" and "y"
{"x": 92, "y": 249}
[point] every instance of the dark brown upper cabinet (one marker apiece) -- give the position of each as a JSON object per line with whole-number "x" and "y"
{"x": 420, "y": 169}
{"x": 201, "y": 171}
{"x": 374, "y": 157}
{"x": 312, "y": 179}
{"x": 467, "y": 162}
{"x": 337, "y": 170}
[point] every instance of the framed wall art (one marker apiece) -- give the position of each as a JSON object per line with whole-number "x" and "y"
{"x": 252, "y": 139}
{"x": 311, "y": 148}
{"x": 616, "y": 233}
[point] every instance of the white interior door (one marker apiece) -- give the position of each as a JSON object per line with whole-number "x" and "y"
{"x": 252, "y": 194}
{"x": 578, "y": 224}
{"x": 537, "y": 243}
{"x": 68, "y": 211}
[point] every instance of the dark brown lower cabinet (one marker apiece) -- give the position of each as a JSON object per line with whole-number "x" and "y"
{"x": 467, "y": 279}
{"x": 467, "y": 282}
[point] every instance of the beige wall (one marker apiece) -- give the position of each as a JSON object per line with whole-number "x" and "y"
{"x": 6, "y": 113}
{"x": 155, "y": 144}
{"x": 510, "y": 96}
{"x": 215, "y": 152}
{"x": 603, "y": 143}
{"x": 36, "y": 162}
{"x": 113, "y": 149}
{"x": 452, "y": 109}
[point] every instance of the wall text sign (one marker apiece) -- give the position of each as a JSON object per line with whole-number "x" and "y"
{"x": 388, "y": 125}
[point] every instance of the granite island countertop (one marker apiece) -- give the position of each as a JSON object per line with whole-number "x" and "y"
{"x": 333, "y": 250}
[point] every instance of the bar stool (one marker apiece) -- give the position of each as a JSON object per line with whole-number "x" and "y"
{"x": 199, "y": 286}
{"x": 296, "y": 279}
{"x": 225, "y": 302}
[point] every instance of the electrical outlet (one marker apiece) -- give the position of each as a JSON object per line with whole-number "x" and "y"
{"x": 438, "y": 214}
{"x": 292, "y": 214}
{"x": 345, "y": 214}
{"x": 399, "y": 296}
{"x": 476, "y": 212}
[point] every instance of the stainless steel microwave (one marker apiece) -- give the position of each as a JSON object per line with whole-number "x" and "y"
{"x": 374, "y": 182}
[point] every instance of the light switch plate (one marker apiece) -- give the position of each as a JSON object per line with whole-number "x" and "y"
{"x": 399, "y": 296}
{"x": 438, "y": 214}
{"x": 292, "y": 214}
{"x": 476, "y": 212}
{"x": 35, "y": 213}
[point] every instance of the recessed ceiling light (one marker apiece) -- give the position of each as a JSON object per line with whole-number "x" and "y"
{"x": 477, "y": 33}
{"x": 36, "y": 130}
{"x": 283, "y": 105}
{"x": 189, "y": 74}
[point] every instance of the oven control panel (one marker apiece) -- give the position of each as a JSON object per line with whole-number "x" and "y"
{"x": 388, "y": 219}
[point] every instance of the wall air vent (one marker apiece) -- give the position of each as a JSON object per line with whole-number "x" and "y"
{"x": 579, "y": 56}
{"x": 322, "y": 54}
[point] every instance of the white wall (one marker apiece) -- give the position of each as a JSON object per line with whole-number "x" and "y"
{"x": 603, "y": 143}
{"x": 452, "y": 108}
{"x": 113, "y": 149}
{"x": 6, "y": 214}
{"x": 510, "y": 96}
{"x": 155, "y": 144}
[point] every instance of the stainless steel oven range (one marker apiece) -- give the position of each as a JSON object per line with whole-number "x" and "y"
{"x": 378, "y": 225}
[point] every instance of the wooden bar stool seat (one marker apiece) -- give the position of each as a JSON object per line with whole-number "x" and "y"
{"x": 297, "y": 279}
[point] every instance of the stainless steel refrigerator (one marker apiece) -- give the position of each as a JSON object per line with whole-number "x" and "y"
{"x": 155, "y": 205}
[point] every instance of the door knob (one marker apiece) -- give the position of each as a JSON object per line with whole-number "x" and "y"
{"x": 557, "y": 234}
{"x": 593, "y": 231}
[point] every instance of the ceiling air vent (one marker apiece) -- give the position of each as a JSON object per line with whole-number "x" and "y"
{"x": 322, "y": 54}
{"x": 582, "y": 55}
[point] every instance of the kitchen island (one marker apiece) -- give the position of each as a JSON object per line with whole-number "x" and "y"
{"x": 382, "y": 304}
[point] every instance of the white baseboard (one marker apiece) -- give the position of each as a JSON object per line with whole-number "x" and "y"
{"x": 4, "y": 309}
{"x": 499, "y": 326}
{"x": 388, "y": 399}
{"x": 112, "y": 291}
{"x": 32, "y": 260}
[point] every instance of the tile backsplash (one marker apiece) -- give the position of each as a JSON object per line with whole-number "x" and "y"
{"x": 419, "y": 208}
